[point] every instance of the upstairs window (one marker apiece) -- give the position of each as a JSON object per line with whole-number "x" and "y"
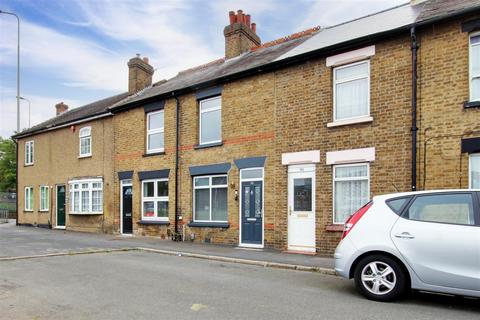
{"x": 211, "y": 120}
{"x": 29, "y": 152}
{"x": 155, "y": 132}
{"x": 28, "y": 198}
{"x": 475, "y": 67}
{"x": 85, "y": 135}
{"x": 86, "y": 197}
{"x": 351, "y": 91}
{"x": 155, "y": 200}
{"x": 44, "y": 198}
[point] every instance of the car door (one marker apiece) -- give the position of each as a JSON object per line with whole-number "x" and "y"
{"x": 439, "y": 237}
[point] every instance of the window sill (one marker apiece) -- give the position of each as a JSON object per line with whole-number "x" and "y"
{"x": 85, "y": 156}
{"x": 151, "y": 154}
{"x": 349, "y": 122}
{"x": 28, "y": 211}
{"x": 471, "y": 104}
{"x": 209, "y": 224}
{"x": 28, "y": 165}
{"x": 147, "y": 222}
{"x": 44, "y": 211}
{"x": 208, "y": 145}
{"x": 85, "y": 213}
{"x": 334, "y": 228}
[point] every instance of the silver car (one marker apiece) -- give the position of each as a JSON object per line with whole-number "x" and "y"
{"x": 427, "y": 241}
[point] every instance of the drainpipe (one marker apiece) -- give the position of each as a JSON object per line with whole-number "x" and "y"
{"x": 16, "y": 179}
{"x": 176, "y": 236}
{"x": 414, "y": 47}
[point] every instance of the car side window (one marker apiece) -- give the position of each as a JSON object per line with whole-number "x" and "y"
{"x": 397, "y": 204}
{"x": 444, "y": 208}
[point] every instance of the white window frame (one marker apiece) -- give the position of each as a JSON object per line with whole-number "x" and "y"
{"x": 154, "y": 131}
{"x": 335, "y": 82}
{"x": 44, "y": 203}
{"x": 29, "y": 152}
{"x": 28, "y": 199}
{"x": 209, "y": 187}
{"x": 200, "y": 112}
{"x": 155, "y": 199}
{"x": 85, "y": 133}
{"x": 334, "y": 179}
{"x": 76, "y": 186}
{"x": 471, "y": 76}
{"x": 470, "y": 158}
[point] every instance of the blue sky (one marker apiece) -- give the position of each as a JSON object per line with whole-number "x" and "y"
{"x": 76, "y": 50}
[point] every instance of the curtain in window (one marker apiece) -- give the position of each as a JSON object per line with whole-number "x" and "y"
{"x": 351, "y": 190}
{"x": 475, "y": 171}
{"x": 475, "y": 68}
{"x": 351, "y": 91}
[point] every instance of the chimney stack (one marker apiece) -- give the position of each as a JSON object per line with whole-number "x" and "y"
{"x": 240, "y": 34}
{"x": 140, "y": 74}
{"x": 60, "y": 108}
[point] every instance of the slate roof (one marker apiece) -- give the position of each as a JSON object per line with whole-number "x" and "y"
{"x": 438, "y": 9}
{"x": 89, "y": 110}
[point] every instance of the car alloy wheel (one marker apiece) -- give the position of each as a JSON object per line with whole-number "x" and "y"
{"x": 378, "y": 277}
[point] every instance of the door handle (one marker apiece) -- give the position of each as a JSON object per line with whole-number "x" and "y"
{"x": 404, "y": 235}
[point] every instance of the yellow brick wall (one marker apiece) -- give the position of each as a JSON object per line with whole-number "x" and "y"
{"x": 56, "y": 161}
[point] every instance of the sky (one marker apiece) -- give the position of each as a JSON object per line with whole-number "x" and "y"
{"x": 76, "y": 51}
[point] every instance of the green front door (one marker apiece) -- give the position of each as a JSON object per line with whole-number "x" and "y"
{"x": 60, "y": 206}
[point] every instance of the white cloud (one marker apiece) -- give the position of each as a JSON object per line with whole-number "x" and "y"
{"x": 42, "y": 108}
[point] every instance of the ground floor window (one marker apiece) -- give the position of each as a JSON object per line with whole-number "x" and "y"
{"x": 350, "y": 189}
{"x": 155, "y": 199}
{"x": 474, "y": 171}
{"x": 86, "y": 196}
{"x": 28, "y": 198}
{"x": 210, "y": 199}
{"x": 44, "y": 198}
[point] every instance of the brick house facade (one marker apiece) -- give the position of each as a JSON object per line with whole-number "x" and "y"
{"x": 278, "y": 142}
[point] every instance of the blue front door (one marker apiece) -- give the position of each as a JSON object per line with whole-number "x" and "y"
{"x": 252, "y": 212}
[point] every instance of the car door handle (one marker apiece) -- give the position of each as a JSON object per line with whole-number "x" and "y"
{"x": 404, "y": 235}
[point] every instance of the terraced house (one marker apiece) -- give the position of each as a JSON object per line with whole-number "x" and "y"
{"x": 277, "y": 143}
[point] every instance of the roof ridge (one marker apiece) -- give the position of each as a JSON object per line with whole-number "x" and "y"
{"x": 202, "y": 66}
{"x": 292, "y": 36}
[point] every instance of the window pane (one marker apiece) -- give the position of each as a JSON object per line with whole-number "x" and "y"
{"x": 155, "y": 121}
{"x": 351, "y": 99}
{"x": 97, "y": 185}
{"x": 475, "y": 39}
{"x": 302, "y": 194}
{"x": 397, "y": 204}
{"x": 475, "y": 171}
{"x": 162, "y": 188}
{"x": 97, "y": 199}
{"x": 447, "y": 208}
{"x": 85, "y": 145}
{"x": 155, "y": 141}
{"x": 351, "y": 171}
{"x": 358, "y": 70}
{"x": 219, "y": 180}
{"x": 76, "y": 201}
{"x": 210, "y": 126}
{"x": 211, "y": 103}
{"x": 148, "y": 189}
{"x": 162, "y": 209}
{"x": 252, "y": 174}
{"x": 202, "y": 204}
{"x": 475, "y": 59}
{"x": 85, "y": 201}
{"x": 199, "y": 182}
{"x": 349, "y": 197}
{"x": 475, "y": 89}
{"x": 149, "y": 209}
{"x": 219, "y": 204}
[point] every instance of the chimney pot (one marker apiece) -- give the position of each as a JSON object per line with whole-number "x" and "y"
{"x": 60, "y": 108}
{"x": 145, "y": 59}
{"x": 232, "y": 17}
{"x": 247, "y": 20}
{"x": 254, "y": 27}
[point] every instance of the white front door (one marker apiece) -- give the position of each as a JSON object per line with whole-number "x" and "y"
{"x": 301, "y": 208}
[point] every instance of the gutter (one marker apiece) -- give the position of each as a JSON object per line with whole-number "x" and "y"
{"x": 415, "y": 46}
{"x": 66, "y": 124}
{"x": 176, "y": 236}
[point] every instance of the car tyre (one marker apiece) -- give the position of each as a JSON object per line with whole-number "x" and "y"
{"x": 380, "y": 278}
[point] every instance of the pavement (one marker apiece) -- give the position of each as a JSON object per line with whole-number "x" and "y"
{"x": 41, "y": 277}
{"x": 30, "y": 241}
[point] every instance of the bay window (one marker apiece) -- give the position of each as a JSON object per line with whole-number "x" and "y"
{"x": 155, "y": 200}
{"x": 86, "y": 196}
{"x": 351, "y": 189}
{"x": 44, "y": 198}
{"x": 351, "y": 91}
{"x": 210, "y": 198}
{"x": 211, "y": 120}
{"x": 155, "y": 132}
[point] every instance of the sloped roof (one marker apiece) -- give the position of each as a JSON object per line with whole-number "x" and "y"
{"x": 437, "y": 9}
{"x": 89, "y": 110}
